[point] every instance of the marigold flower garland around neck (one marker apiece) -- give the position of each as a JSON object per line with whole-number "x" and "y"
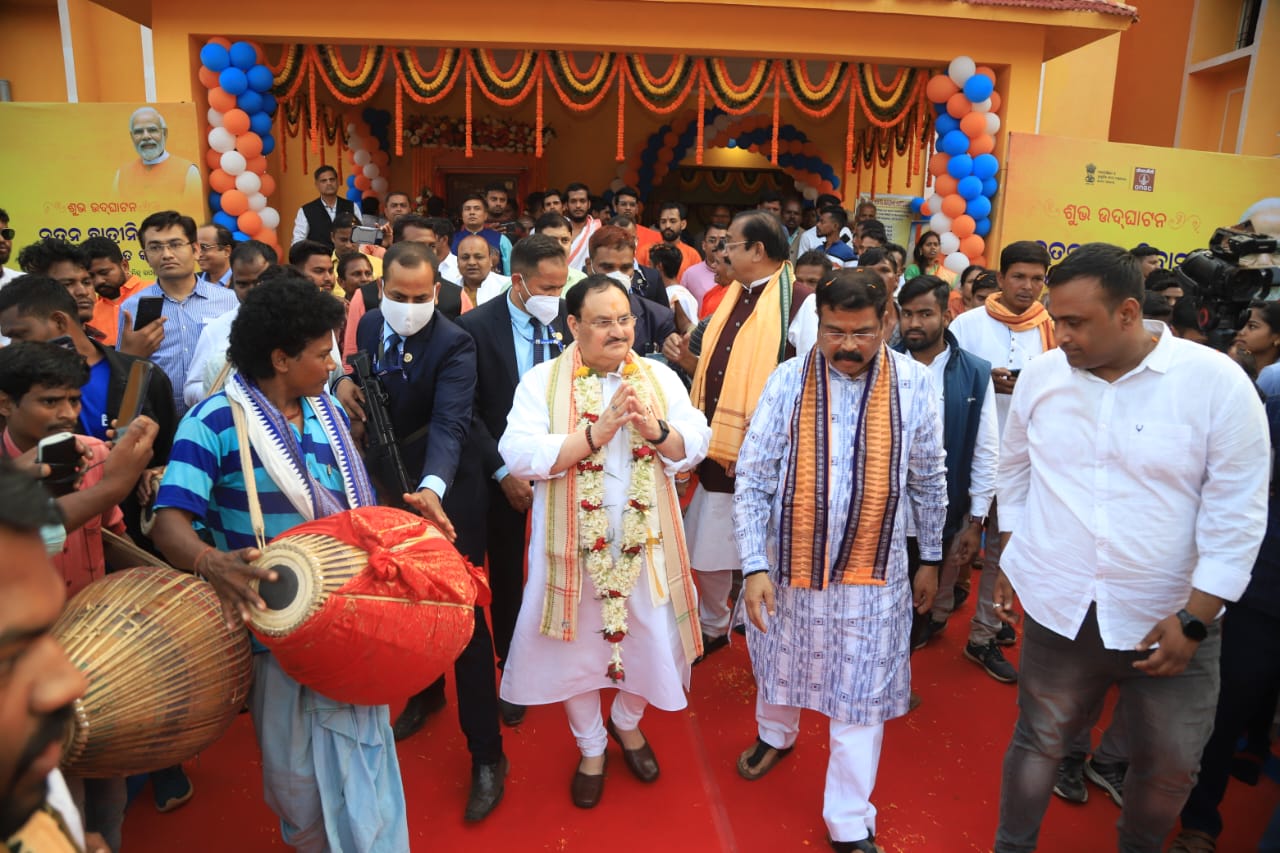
{"x": 614, "y": 579}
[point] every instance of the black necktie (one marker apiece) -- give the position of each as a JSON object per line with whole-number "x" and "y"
{"x": 537, "y": 341}
{"x": 391, "y": 358}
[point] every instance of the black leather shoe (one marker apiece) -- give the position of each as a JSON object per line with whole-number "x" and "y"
{"x": 642, "y": 763}
{"x": 866, "y": 845}
{"x": 511, "y": 713}
{"x": 711, "y": 644}
{"x": 415, "y": 713}
{"x": 587, "y": 790}
{"x": 488, "y": 781}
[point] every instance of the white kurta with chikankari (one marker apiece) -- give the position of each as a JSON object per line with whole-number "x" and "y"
{"x": 541, "y": 669}
{"x": 842, "y": 651}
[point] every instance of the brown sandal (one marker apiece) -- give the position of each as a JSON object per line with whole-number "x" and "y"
{"x": 760, "y": 759}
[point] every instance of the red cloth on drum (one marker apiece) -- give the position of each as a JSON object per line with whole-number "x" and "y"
{"x": 395, "y": 626}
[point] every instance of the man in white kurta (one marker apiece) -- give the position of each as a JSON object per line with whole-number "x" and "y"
{"x": 829, "y": 623}
{"x": 657, "y": 651}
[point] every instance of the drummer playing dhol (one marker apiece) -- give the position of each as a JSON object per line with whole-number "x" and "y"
{"x": 332, "y": 786}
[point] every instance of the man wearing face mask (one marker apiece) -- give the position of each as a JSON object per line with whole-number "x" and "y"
{"x": 526, "y": 326}
{"x": 612, "y": 254}
{"x": 428, "y": 368}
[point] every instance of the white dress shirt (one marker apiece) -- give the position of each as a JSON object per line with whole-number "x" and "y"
{"x": 300, "y": 226}
{"x": 986, "y": 337}
{"x": 448, "y": 269}
{"x": 1130, "y": 493}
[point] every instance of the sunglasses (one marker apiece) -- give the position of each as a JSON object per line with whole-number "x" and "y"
{"x": 6, "y": 233}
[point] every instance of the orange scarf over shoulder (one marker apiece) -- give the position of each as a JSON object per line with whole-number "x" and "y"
{"x": 1037, "y": 316}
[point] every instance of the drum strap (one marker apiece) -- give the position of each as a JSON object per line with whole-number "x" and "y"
{"x": 246, "y": 467}
{"x": 220, "y": 379}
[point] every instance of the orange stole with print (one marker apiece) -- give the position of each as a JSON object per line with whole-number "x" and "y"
{"x": 804, "y": 543}
{"x": 1035, "y": 316}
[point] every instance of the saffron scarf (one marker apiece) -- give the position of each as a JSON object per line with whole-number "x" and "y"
{"x": 760, "y": 346}
{"x": 1037, "y": 316}
{"x": 564, "y": 554}
{"x": 804, "y": 536}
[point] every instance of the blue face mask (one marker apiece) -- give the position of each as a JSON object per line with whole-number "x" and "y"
{"x": 55, "y": 538}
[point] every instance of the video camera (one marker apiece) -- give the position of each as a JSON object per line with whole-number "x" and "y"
{"x": 1223, "y": 288}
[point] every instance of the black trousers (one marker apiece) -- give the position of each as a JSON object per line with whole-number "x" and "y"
{"x": 505, "y": 544}
{"x": 920, "y": 621}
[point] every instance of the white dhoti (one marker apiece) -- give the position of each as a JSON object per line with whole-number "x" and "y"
{"x": 708, "y": 525}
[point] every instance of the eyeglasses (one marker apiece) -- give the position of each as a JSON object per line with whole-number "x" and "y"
{"x": 723, "y": 245}
{"x": 157, "y": 249}
{"x": 859, "y": 338}
{"x": 626, "y": 321}
{"x": 6, "y": 233}
{"x": 206, "y": 247}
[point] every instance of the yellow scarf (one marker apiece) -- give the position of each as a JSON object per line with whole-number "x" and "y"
{"x": 760, "y": 346}
{"x": 1035, "y": 316}
{"x": 804, "y": 543}
{"x": 563, "y": 591}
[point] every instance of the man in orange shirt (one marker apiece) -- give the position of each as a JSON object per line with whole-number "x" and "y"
{"x": 114, "y": 283}
{"x": 626, "y": 202}
{"x": 671, "y": 224}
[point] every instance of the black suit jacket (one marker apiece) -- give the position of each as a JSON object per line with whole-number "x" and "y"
{"x": 158, "y": 404}
{"x": 319, "y": 225}
{"x": 436, "y": 389}
{"x": 650, "y": 282}
{"x": 654, "y": 323}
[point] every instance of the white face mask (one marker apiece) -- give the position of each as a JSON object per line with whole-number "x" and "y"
{"x": 545, "y": 309}
{"x": 621, "y": 278}
{"x": 407, "y": 319}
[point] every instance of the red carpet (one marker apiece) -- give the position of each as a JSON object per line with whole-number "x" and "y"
{"x": 938, "y": 788}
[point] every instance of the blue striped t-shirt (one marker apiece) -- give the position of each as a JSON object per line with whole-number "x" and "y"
{"x": 204, "y": 476}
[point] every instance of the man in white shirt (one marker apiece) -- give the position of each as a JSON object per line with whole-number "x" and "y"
{"x": 1011, "y": 328}
{"x": 810, "y": 239}
{"x": 315, "y": 218}
{"x": 1133, "y": 501}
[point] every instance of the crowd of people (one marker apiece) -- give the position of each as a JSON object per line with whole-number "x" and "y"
{"x": 591, "y": 408}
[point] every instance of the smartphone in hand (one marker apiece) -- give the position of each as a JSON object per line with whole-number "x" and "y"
{"x": 149, "y": 310}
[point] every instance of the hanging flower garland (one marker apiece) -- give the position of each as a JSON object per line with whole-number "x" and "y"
{"x": 887, "y": 104}
{"x": 427, "y": 85}
{"x": 288, "y": 73}
{"x": 661, "y": 94}
{"x": 350, "y": 87}
{"x": 614, "y": 579}
{"x": 729, "y": 96}
{"x": 580, "y": 91}
{"x": 816, "y": 101}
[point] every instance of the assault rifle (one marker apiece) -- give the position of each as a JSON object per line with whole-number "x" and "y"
{"x": 382, "y": 451}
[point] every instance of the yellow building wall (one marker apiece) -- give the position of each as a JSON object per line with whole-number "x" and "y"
{"x": 106, "y": 46}
{"x": 1078, "y": 87}
{"x": 31, "y": 52}
{"x": 1149, "y": 68}
{"x": 1262, "y": 115}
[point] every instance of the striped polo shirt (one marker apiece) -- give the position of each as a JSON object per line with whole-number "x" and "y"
{"x": 204, "y": 476}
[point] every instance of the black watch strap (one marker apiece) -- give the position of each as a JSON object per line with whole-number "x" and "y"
{"x": 1192, "y": 628}
{"x": 666, "y": 431}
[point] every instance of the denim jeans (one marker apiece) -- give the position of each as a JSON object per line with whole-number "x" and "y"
{"x": 1167, "y": 721}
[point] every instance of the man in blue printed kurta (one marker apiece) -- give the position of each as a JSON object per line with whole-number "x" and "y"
{"x": 844, "y": 443}
{"x": 329, "y": 769}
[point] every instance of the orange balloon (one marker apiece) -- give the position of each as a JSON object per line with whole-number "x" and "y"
{"x": 938, "y": 163}
{"x": 952, "y": 205}
{"x": 208, "y": 77}
{"x": 363, "y": 184}
{"x": 234, "y": 202}
{"x": 258, "y": 164}
{"x": 958, "y": 106}
{"x": 980, "y": 261}
{"x": 995, "y": 102}
{"x": 940, "y": 88}
{"x": 222, "y": 41}
{"x": 250, "y": 222}
{"x": 983, "y": 144}
{"x": 381, "y": 158}
{"x": 213, "y": 158}
{"x": 236, "y": 121}
{"x": 973, "y": 246}
{"x": 985, "y": 72}
{"x": 973, "y": 124}
{"x": 221, "y": 100}
{"x": 248, "y": 144}
{"x": 962, "y": 226}
{"x": 945, "y": 185}
{"x": 926, "y": 209}
{"x": 268, "y": 185}
{"x": 220, "y": 181}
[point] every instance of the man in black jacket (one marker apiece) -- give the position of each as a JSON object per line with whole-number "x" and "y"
{"x": 613, "y": 254}
{"x": 315, "y": 218}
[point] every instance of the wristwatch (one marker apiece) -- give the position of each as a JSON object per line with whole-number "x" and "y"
{"x": 979, "y": 520}
{"x": 1192, "y": 628}
{"x": 662, "y": 436}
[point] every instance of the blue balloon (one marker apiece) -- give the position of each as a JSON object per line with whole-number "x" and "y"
{"x": 260, "y": 123}
{"x": 239, "y": 236}
{"x": 916, "y": 204}
{"x": 260, "y": 78}
{"x": 268, "y": 143}
{"x": 978, "y": 208}
{"x": 351, "y": 182}
{"x": 940, "y": 109}
{"x": 960, "y": 166}
{"x": 985, "y": 166}
{"x": 977, "y": 88}
{"x": 215, "y": 201}
{"x": 269, "y": 103}
{"x": 249, "y": 101}
{"x": 970, "y": 189}
{"x": 233, "y": 81}
{"x": 982, "y": 227}
{"x": 989, "y": 187}
{"x": 214, "y": 57}
{"x": 954, "y": 143}
{"x": 243, "y": 56}
{"x": 226, "y": 220}
{"x": 945, "y": 124}
{"x": 353, "y": 195}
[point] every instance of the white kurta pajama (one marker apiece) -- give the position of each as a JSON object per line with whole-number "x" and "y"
{"x": 541, "y": 669}
{"x": 842, "y": 651}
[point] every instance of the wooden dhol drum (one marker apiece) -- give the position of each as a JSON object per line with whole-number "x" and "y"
{"x": 370, "y": 605}
{"x": 166, "y": 677}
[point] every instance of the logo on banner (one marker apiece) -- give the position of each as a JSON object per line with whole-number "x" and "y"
{"x": 1144, "y": 180}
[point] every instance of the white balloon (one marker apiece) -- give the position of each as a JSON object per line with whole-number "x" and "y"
{"x": 257, "y": 201}
{"x": 948, "y": 243}
{"x": 982, "y": 106}
{"x": 957, "y": 262}
{"x": 811, "y": 193}
{"x": 248, "y": 182}
{"x": 222, "y": 140}
{"x": 961, "y": 69}
{"x": 940, "y": 224}
{"x": 379, "y": 184}
{"x": 233, "y": 162}
{"x": 215, "y": 118}
{"x": 361, "y": 157}
{"x": 371, "y": 171}
{"x": 270, "y": 218}
{"x": 993, "y": 123}
{"x": 351, "y": 129}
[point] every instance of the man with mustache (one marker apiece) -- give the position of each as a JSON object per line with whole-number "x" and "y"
{"x": 157, "y": 175}
{"x": 577, "y": 207}
{"x": 7, "y": 274}
{"x": 113, "y": 282}
{"x": 671, "y": 224}
{"x": 845, "y": 446}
